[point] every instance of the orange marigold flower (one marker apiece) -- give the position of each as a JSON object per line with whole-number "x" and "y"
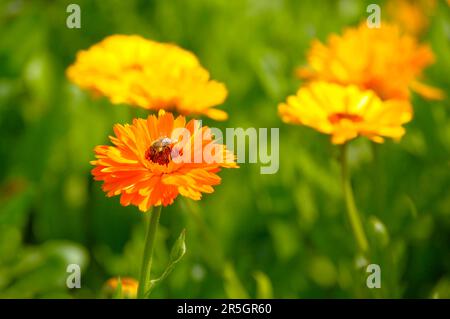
{"x": 132, "y": 70}
{"x": 155, "y": 159}
{"x": 382, "y": 60}
{"x": 346, "y": 112}
{"x": 129, "y": 286}
{"x": 411, "y": 15}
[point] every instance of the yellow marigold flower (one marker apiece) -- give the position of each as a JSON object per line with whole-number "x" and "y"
{"x": 129, "y": 286}
{"x": 382, "y": 60}
{"x": 132, "y": 70}
{"x": 155, "y": 159}
{"x": 346, "y": 112}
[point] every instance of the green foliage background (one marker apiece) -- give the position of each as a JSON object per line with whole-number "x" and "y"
{"x": 283, "y": 235}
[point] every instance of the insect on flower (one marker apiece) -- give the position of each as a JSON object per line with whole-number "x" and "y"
{"x": 149, "y": 166}
{"x": 160, "y": 151}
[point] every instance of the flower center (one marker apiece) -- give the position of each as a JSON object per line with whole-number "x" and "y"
{"x": 337, "y": 117}
{"x": 134, "y": 67}
{"x": 160, "y": 151}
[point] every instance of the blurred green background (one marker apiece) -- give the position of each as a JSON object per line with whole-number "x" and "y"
{"x": 284, "y": 235}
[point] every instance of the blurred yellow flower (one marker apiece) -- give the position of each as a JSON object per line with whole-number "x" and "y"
{"x": 382, "y": 60}
{"x": 132, "y": 70}
{"x": 129, "y": 286}
{"x": 346, "y": 112}
{"x": 411, "y": 15}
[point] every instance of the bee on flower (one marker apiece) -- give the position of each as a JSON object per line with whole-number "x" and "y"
{"x": 156, "y": 159}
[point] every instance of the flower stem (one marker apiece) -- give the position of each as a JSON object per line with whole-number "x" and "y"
{"x": 352, "y": 211}
{"x": 144, "y": 282}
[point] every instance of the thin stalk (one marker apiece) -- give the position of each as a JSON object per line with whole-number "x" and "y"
{"x": 352, "y": 211}
{"x": 144, "y": 282}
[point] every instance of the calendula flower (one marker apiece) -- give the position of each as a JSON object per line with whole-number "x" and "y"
{"x": 346, "y": 112}
{"x": 380, "y": 59}
{"x": 129, "y": 286}
{"x": 411, "y": 15}
{"x": 132, "y": 70}
{"x": 154, "y": 160}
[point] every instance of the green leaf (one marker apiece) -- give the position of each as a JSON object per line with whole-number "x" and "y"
{"x": 178, "y": 249}
{"x": 263, "y": 286}
{"x": 412, "y": 207}
{"x": 233, "y": 286}
{"x": 177, "y": 252}
{"x": 442, "y": 289}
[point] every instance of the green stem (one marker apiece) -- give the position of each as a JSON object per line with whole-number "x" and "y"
{"x": 144, "y": 282}
{"x": 352, "y": 211}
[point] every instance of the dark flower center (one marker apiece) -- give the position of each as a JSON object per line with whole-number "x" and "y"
{"x": 337, "y": 117}
{"x": 160, "y": 151}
